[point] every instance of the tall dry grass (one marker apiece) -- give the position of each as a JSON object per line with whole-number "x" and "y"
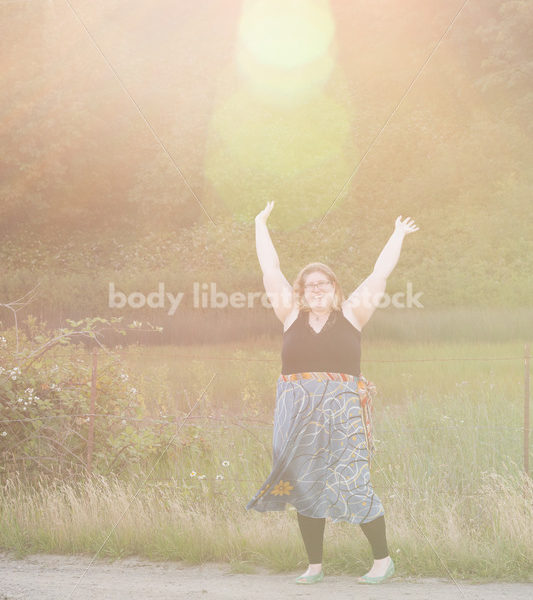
{"x": 448, "y": 470}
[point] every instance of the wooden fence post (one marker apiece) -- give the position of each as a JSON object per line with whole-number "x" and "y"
{"x": 90, "y": 437}
{"x": 526, "y": 409}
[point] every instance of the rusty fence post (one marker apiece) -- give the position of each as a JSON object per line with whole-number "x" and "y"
{"x": 90, "y": 437}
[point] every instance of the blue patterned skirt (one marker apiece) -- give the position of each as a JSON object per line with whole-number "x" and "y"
{"x": 321, "y": 448}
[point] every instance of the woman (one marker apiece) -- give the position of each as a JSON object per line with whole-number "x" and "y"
{"x": 322, "y": 437}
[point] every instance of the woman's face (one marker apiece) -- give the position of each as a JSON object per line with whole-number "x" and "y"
{"x": 319, "y": 291}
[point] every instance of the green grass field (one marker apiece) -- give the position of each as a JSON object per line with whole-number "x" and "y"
{"x": 449, "y": 468}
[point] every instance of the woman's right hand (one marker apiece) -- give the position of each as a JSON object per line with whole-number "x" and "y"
{"x": 264, "y": 214}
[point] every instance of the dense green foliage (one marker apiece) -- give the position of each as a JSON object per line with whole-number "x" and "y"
{"x": 89, "y": 196}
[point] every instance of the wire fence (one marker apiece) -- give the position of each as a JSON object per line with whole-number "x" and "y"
{"x": 171, "y": 421}
{"x": 259, "y": 423}
{"x": 394, "y": 360}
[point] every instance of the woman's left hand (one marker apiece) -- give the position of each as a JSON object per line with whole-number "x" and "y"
{"x": 406, "y": 226}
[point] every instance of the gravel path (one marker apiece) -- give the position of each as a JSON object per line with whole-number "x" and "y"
{"x": 52, "y": 577}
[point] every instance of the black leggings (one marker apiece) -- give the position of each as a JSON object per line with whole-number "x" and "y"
{"x": 313, "y": 535}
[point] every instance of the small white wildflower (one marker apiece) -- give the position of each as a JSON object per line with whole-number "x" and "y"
{"x": 192, "y": 474}
{"x": 35, "y": 398}
{"x": 4, "y": 433}
{"x": 220, "y": 477}
{"x": 21, "y": 399}
{"x": 202, "y": 476}
{"x": 1, "y": 370}
{"x": 28, "y": 391}
{"x": 124, "y": 376}
{"x": 397, "y": 550}
{"x": 23, "y": 408}
{"x": 225, "y": 463}
{"x": 133, "y": 390}
{"x": 123, "y": 421}
{"x": 87, "y": 419}
{"x": 13, "y": 377}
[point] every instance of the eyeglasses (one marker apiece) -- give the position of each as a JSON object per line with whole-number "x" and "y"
{"x": 321, "y": 285}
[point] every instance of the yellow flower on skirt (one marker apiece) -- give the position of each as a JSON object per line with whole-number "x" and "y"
{"x": 283, "y": 487}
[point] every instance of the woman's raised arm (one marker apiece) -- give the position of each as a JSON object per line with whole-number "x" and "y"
{"x": 364, "y": 300}
{"x": 266, "y": 253}
{"x": 278, "y": 289}
{"x": 390, "y": 254}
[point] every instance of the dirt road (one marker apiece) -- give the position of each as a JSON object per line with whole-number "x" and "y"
{"x": 51, "y": 577}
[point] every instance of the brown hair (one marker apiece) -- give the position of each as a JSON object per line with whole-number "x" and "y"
{"x": 299, "y": 290}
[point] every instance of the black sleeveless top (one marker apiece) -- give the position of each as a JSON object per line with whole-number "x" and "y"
{"x": 336, "y": 348}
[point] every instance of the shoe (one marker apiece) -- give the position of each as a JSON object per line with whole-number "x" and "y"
{"x": 310, "y": 578}
{"x": 388, "y": 573}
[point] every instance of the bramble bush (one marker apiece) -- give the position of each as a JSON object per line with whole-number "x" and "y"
{"x": 45, "y": 400}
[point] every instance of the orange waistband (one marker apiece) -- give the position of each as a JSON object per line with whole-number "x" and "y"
{"x": 319, "y": 375}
